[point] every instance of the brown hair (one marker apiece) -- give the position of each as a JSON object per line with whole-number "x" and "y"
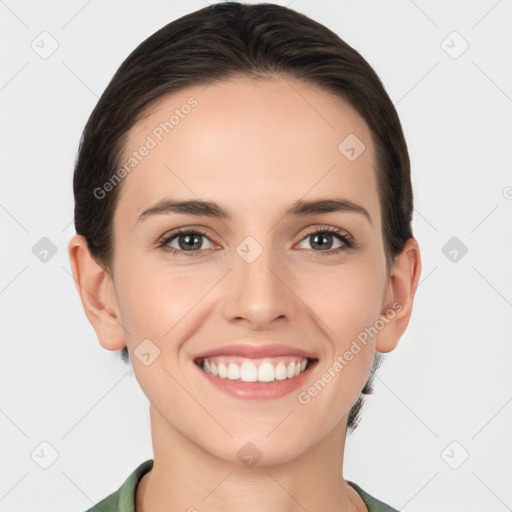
{"x": 218, "y": 42}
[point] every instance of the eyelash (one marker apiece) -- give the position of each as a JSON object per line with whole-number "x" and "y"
{"x": 347, "y": 240}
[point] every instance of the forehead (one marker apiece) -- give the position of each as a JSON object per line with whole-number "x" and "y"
{"x": 251, "y": 142}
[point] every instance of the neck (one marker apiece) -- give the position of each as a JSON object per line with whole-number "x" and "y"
{"x": 187, "y": 478}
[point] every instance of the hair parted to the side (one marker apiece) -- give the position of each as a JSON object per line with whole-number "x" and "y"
{"x": 227, "y": 40}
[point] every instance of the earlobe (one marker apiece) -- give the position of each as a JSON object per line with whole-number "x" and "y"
{"x": 403, "y": 282}
{"x": 96, "y": 291}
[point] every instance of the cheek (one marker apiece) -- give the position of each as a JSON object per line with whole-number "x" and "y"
{"x": 155, "y": 297}
{"x": 346, "y": 300}
{"x": 346, "y": 303}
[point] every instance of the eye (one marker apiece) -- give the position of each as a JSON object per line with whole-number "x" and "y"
{"x": 186, "y": 242}
{"x": 323, "y": 238}
{"x": 189, "y": 242}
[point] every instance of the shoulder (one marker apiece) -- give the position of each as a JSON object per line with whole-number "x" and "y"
{"x": 373, "y": 504}
{"x": 123, "y": 500}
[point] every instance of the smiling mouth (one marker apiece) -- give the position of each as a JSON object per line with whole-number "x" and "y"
{"x": 240, "y": 369}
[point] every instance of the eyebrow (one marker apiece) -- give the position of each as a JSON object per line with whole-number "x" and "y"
{"x": 211, "y": 209}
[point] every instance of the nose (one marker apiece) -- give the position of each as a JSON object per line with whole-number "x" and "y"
{"x": 259, "y": 292}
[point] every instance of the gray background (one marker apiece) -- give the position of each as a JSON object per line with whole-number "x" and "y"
{"x": 443, "y": 395}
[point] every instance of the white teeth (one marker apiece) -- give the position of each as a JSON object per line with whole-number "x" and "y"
{"x": 266, "y": 372}
{"x": 223, "y": 371}
{"x": 248, "y": 372}
{"x": 281, "y": 371}
{"x": 233, "y": 371}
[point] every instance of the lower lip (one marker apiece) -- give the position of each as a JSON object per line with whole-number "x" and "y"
{"x": 259, "y": 390}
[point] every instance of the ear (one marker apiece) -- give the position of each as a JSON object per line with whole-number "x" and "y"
{"x": 405, "y": 274}
{"x": 97, "y": 293}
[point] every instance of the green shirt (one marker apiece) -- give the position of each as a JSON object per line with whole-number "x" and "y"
{"x": 123, "y": 500}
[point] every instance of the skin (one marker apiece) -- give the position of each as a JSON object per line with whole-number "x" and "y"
{"x": 255, "y": 147}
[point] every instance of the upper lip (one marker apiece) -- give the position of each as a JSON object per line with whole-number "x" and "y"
{"x": 256, "y": 351}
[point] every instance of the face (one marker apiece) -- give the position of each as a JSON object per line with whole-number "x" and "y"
{"x": 261, "y": 275}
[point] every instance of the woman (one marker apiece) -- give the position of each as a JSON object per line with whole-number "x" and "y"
{"x": 243, "y": 214}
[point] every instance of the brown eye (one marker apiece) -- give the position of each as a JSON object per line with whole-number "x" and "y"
{"x": 189, "y": 241}
{"x": 184, "y": 242}
{"x": 324, "y": 240}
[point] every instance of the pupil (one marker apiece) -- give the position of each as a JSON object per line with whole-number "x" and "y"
{"x": 317, "y": 236}
{"x": 196, "y": 243}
